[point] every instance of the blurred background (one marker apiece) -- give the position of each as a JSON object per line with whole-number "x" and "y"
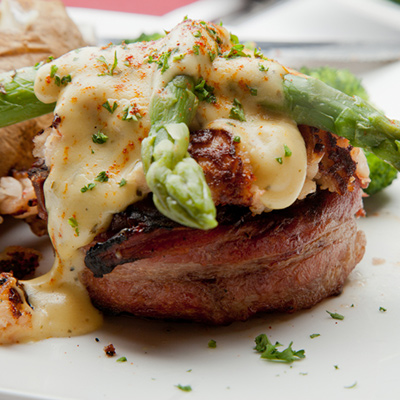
{"x": 357, "y": 34}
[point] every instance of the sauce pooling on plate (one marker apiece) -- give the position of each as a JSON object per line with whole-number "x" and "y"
{"x": 93, "y": 152}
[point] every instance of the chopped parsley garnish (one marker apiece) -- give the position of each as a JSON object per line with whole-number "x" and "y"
{"x": 186, "y": 388}
{"x": 212, "y": 344}
{"x": 270, "y": 352}
{"x": 204, "y": 92}
{"x": 131, "y": 112}
{"x": 253, "y": 91}
{"x": 263, "y": 68}
{"x": 314, "y": 335}
{"x": 382, "y": 309}
{"x": 196, "y": 49}
{"x": 235, "y": 51}
{"x": 162, "y": 61}
{"x": 102, "y": 177}
{"x": 89, "y": 186}
{"x": 234, "y": 39}
{"x": 62, "y": 81}
{"x": 288, "y": 152}
{"x": 258, "y": 54}
{"x": 237, "y": 111}
{"x": 212, "y": 55}
{"x": 122, "y": 359}
{"x": 179, "y": 57}
{"x": 74, "y": 224}
{"x": 53, "y": 71}
{"x": 122, "y": 182}
{"x": 99, "y": 138}
{"x": 197, "y": 34}
{"x": 335, "y": 315}
{"x": 109, "y": 108}
{"x": 110, "y": 67}
{"x": 236, "y": 139}
{"x": 279, "y": 159}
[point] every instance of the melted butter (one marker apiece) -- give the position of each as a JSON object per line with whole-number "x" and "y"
{"x": 124, "y": 78}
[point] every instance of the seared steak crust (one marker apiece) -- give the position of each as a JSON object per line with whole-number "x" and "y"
{"x": 285, "y": 260}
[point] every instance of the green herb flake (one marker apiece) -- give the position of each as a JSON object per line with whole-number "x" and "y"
{"x": 66, "y": 79}
{"x": 162, "y": 61}
{"x": 109, "y": 108}
{"x": 53, "y": 71}
{"x": 87, "y": 187}
{"x": 234, "y": 39}
{"x": 237, "y": 111}
{"x": 212, "y": 55}
{"x": 212, "y": 344}
{"x": 74, "y": 224}
{"x": 122, "y": 359}
{"x": 314, "y": 335}
{"x": 122, "y": 182}
{"x": 131, "y": 112}
{"x": 382, "y": 309}
{"x": 186, "y": 388}
{"x": 204, "y": 92}
{"x": 253, "y": 91}
{"x": 336, "y": 366}
{"x": 235, "y": 51}
{"x": 196, "y": 49}
{"x": 351, "y": 386}
{"x": 271, "y": 353}
{"x": 179, "y": 57}
{"x": 197, "y": 34}
{"x": 335, "y": 315}
{"x": 263, "y": 68}
{"x": 99, "y": 138}
{"x": 288, "y": 152}
{"x": 279, "y": 159}
{"x": 110, "y": 67}
{"x": 258, "y": 54}
{"x": 102, "y": 177}
{"x": 236, "y": 139}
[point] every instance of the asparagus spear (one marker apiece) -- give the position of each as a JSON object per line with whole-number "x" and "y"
{"x": 17, "y": 98}
{"x": 309, "y": 101}
{"x": 179, "y": 188}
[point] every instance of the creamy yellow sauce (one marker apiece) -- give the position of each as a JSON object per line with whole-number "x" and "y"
{"x": 89, "y": 182}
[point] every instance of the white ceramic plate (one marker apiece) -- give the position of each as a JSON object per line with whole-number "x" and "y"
{"x": 357, "y": 358}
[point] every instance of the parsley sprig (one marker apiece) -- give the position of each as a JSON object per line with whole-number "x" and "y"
{"x": 204, "y": 92}
{"x": 270, "y": 352}
{"x": 110, "y": 67}
{"x": 235, "y": 51}
{"x": 237, "y": 111}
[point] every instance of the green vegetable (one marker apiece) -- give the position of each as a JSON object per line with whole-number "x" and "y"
{"x": 186, "y": 388}
{"x": 99, "y": 138}
{"x": 381, "y": 173}
{"x": 340, "y": 79}
{"x": 17, "y": 98}
{"x": 309, "y": 101}
{"x": 178, "y": 184}
{"x": 212, "y": 344}
{"x": 270, "y": 351}
{"x": 314, "y": 335}
{"x": 335, "y": 315}
{"x": 122, "y": 359}
{"x": 144, "y": 37}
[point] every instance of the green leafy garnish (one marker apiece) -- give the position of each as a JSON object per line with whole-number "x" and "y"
{"x": 74, "y": 224}
{"x": 162, "y": 61}
{"x": 131, "y": 112}
{"x": 314, "y": 335}
{"x": 109, "y": 108}
{"x": 382, "y": 309}
{"x": 212, "y": 344}
{"x": 87, "y": 187}
{"x": 288, "y": 152}
{"x": 122, "y": 359}
{"x": 99, "y": 138}
{"x": 110, "y": 67}
{"x": 53, "y": 70}
{"x": 235, "y": 51}
{"x": 204, "y": 92}
{"x": 186, "y": 388}
{"x": 263, "y": 68}
{"x": 270, "y": 351}
{"x": 279, "y": 159}
{"x": 196, "y": 49}
{"x": 335, "y": 315}
{"x": 237, "y": 111}
{"x": 236, "y": 139}
{"x": 102, "y": 177}
{"x": 122, "y": 182}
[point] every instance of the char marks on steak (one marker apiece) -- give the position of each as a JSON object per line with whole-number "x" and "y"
{"x": 284, "y": 260}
